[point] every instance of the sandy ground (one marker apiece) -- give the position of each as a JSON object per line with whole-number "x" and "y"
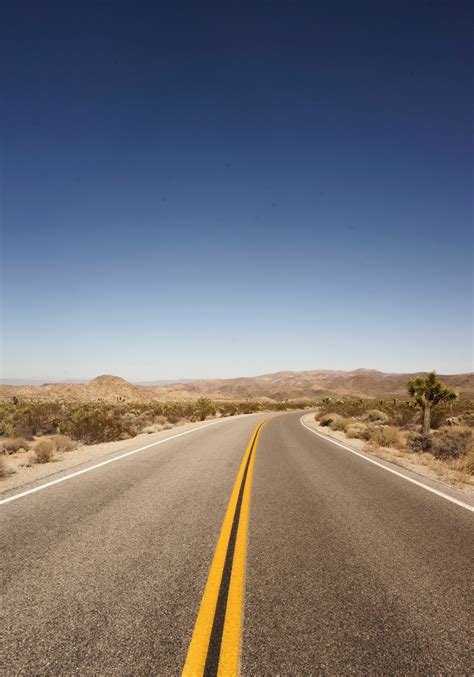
{"x": 23, "y": 472}
{"x": 422, "y": 464}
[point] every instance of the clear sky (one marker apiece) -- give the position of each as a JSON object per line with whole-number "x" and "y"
{"x": 235, "y": 189}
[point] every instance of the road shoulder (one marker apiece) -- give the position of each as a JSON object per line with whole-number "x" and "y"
{"x": 395, "y": 461}
{"x": 86, "y": 455}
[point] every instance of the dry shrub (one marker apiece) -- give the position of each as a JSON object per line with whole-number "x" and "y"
{"x": 385, "y": 436}
{"x": 340, "y": 423}
{"x": 468, "y": 462}
{"x": 356, "y": 430}
{"x": 376, "y": 416}
{"x": 28, "y": 461}
{"x": 158, "y": 427}
{"x": 438, "y": 417}
{"x": 44, "y": 450}
{"x": 63, "y": 443}
{"x": 12, "y": 444}
{"x": 452, "y": 443}
{"x": 419, "y": 443}
{"x": 468, "y": 418}
{"x": 94, "y": 424}
{"x": 204, "y": 408}
{"x": 154, "y": 428}
{"x": 5, "y": 470}
{"x": 333, "y": 421}
{"x": 159, "y": 420}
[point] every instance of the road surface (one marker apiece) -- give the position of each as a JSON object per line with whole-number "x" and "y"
{"x": 345, "y": 567}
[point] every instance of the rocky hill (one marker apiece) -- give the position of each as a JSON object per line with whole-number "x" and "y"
{"x": 317, "y": 384}
{"x": 367, "y": 383}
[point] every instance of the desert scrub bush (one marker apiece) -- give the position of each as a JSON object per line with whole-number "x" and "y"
{"x": 340, "y": 423}
{"x": 159, "y": 420}
{"x": 401, "y": 412}
{"x": 468, "y": 462}
{"x": 228, "y": 408}
{"x": 5, "y": 470}
{"x": 93, "y": 426}
{"x": 251, "y": 406}
{"x": 153, "y": 428}
{"x": 44, "y": 451}
{"x": 468, "y": 418}
{"x": 438, "y": 418}
{"x": 376, "y": 416}
{"x": 324, "y": 420}
{"x": 451, "y": 443}
{"x": 356, "y": 430}
{"x": 384, "y": 436}
{"x": 346, "y": 408}
{"x": 333, "y": 421}
{"x": 63, "y": 443}
{"x": 419, "y": 443}
{"x": 172, "y": 411}
{"x": 204, "y": 408}
{"x": 10, "y": 445}
{"x": 31, "y": 416}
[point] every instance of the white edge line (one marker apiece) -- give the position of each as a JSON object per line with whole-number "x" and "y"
{"x": 394, "y": 472}
{"x": 110, "y": 460}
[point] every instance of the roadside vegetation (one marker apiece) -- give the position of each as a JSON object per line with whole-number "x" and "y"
{"x": 433, "y": 427}
{"x": 42, "y": 429}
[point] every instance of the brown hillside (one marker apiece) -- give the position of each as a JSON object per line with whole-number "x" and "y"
{"x": 318, "y": 384}
{"x": 278, "y": 386}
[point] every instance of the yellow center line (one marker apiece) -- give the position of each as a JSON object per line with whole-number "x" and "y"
{"x": 230, "y": 643}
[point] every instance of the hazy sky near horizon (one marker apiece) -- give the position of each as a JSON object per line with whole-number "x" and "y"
{"x": 235, "y": 189}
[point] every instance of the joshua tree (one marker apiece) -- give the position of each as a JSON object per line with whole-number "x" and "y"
{"x": 428, "y": 392}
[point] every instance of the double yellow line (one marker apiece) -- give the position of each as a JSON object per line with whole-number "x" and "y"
{"x": 215, "y": 644}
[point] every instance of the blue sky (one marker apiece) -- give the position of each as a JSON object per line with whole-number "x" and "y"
{"x": 232, "y": 190}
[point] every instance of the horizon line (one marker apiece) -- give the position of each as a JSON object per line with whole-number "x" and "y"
{"x": 35, "y": 381}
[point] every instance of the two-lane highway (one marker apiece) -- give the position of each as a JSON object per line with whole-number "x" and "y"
{"x": 347, "y": 567}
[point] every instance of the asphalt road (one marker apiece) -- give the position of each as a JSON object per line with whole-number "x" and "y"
{"x": 349, "y": 569}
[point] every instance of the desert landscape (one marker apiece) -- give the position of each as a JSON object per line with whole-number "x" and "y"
{"x": 278, "y": 386}
{"x": 41, "y": 424}
{"x": 236, "y": 374}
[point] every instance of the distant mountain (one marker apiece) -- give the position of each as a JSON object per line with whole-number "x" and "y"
{"x": 282, "y": 385}
{"x": 323, "y": 383}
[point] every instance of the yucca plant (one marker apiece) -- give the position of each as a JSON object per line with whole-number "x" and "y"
{"x": 428, "y": 392}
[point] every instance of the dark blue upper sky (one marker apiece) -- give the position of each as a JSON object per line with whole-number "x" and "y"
{"x": 230, "y": 189}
